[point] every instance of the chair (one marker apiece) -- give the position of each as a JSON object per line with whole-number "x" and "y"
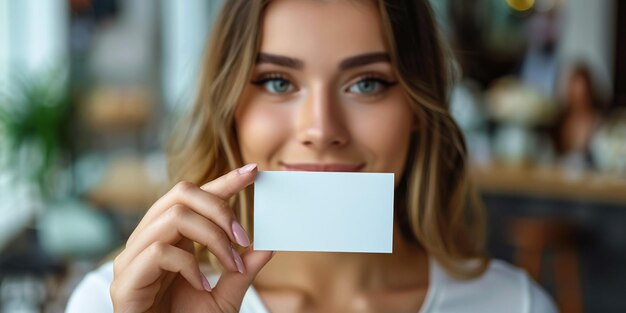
{"x": 533, "y": 238}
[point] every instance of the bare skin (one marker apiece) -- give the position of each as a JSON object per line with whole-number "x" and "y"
{"x": 342, "y": 282}
{"x": 157, "y": 270}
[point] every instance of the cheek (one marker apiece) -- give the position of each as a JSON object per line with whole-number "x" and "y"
{"x": 386, "y": 135}
{"x": 261, "y": 131}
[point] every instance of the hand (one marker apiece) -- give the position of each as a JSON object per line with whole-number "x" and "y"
{"x": 157, "y": 270}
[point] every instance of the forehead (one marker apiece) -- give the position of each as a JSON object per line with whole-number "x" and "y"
{"x": 321, "y": 30}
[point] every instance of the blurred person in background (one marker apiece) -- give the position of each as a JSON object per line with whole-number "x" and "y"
{"x": 579, "y": 119}
{"x": 315, "y": 85}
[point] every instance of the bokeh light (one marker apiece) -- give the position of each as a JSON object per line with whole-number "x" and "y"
{"x": 520, "y": 5}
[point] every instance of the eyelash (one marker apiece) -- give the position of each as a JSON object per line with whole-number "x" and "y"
{"x": 267, "y": 77}
{"x": 368, "y": 76}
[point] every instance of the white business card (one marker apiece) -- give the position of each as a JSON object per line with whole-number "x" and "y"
{"x": 323, "y": 211}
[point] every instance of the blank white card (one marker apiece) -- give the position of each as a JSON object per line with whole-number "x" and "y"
{"x": 323, "y": 211}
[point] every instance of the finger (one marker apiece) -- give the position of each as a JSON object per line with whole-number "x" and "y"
{"x": 227, "y": 185}
{"x": 208, "y": 205}
{"x": 232, "y": 286}
{"x": 179, "y": 223}
{"x": 223, "y": 187}
{"x": 152, "y": 263}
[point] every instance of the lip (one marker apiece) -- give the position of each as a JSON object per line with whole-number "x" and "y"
{"x": 323, "y": 167}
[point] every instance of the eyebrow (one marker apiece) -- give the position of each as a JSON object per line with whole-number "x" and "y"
{"x": 279, "y": 60}
{"x": 348, "y": 63}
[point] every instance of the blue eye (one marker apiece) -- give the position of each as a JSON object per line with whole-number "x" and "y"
{"x": 278, "y": 86}
{"x": 366, "y": 86}
{"x": 275, "y": 85}
{"x": 370, "y": 86}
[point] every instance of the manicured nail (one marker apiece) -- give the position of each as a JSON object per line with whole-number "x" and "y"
{"x": 240, "y": 235}
{"x": 238, "y": 261}
{"x": 205, "y": 284}
{"x": 247, "y": 169}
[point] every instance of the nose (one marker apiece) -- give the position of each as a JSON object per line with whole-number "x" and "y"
{"x": 321, "y": 124}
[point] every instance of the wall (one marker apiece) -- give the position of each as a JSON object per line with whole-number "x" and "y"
{"x": 588, "y": 35}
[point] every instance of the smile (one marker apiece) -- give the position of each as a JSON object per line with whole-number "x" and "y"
{"x": 319, "y": 167}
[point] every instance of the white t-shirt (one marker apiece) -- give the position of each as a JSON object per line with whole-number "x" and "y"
{"x": 502, "y": 288}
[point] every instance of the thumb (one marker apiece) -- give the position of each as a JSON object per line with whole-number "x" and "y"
{"x": 232, "y": 286}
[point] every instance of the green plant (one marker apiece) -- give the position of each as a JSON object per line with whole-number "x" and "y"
{"x": 34, "y": 114}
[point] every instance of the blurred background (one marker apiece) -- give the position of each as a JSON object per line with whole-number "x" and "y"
{"x": 90, "y": 88}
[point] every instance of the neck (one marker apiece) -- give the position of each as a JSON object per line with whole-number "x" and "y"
{"x": 406, "y": 267}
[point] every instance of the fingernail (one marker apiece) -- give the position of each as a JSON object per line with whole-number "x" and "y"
{"x": 273, "y": 253}
{"x": 205, "y": 283}
{"x": 238, "y": 261}
{"x": 247, "y": 169}
{"x": 240, "y": 235}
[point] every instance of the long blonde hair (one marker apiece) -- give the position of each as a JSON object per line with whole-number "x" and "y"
{"x": 436, "y": 207}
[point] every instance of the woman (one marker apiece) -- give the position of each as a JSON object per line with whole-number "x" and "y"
{"x": 300, "y": 85}
{"x": 580, "y": 117}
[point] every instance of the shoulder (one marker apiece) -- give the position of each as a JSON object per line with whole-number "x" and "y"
{"x": 92, "y": 293}
{"x": 501, "y": 288}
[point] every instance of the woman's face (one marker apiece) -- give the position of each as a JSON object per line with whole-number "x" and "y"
{"x": 323, "y": 94}
{"x": 578, "y": 92}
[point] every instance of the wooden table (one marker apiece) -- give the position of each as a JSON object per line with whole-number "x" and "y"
{"x": 552, "y": 182}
